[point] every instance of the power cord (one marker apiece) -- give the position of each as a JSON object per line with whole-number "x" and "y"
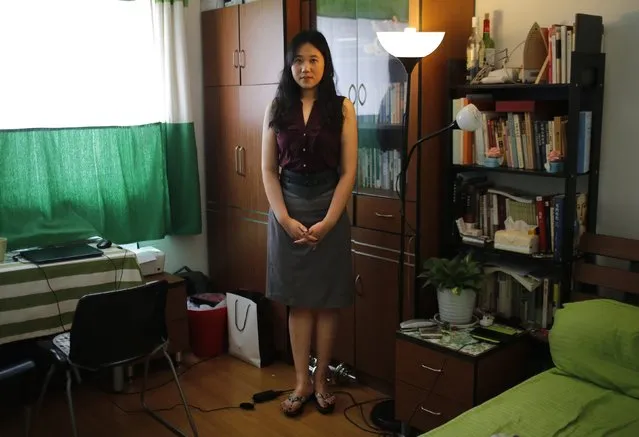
{"x": 165, "y": 383}
{"x": 55, "y": 296}
{"x": 258, "y": 398}
{"x": 116, "y": 284}
{"x": 372, "y": 429}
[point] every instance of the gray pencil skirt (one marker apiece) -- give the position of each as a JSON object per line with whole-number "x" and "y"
{"x": 297, "y": 274}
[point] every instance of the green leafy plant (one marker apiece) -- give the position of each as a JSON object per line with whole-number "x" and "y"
{"x": 456, "y": 274}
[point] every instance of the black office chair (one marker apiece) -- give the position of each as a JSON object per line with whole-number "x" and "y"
{"x": 112, "y": 329}
{"x": 18, "y": 378}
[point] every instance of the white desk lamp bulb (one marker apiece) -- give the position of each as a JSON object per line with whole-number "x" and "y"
{"x": 469, "y": 118}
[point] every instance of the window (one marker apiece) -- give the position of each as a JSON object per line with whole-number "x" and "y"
{"x": 77, "y": 63}
{"x": 88, "y": 140}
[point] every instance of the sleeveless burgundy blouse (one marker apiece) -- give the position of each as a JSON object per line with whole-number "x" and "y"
{"x": 310, "y": 148}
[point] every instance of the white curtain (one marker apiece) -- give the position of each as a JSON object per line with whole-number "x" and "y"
{"x": 169, "y": 30}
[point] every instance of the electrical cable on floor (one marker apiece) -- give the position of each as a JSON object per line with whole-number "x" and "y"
{"x": 165, "y": 383}
{"x": 242, "y": 406}
{"x": 263, "y": 397}
{"x": 258, "y": 398}
{"x": 267, "y": 396}
{"x": 372, "y": 428}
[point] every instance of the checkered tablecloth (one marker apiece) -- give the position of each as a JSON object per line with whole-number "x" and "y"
{"x": 36, "y": 301}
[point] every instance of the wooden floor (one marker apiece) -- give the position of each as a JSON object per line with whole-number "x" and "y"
{"x": 220, "y": 382}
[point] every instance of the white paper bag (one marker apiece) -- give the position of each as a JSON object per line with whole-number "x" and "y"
{"x": 250, "y": 327}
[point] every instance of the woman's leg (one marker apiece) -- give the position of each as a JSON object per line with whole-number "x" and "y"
{"x": 327, "y": 323}
{"x": 300, "y": 324}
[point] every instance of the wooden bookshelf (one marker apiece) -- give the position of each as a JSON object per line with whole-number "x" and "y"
{"x": 583, "y": 93}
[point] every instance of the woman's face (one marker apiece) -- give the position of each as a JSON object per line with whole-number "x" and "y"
{"x": 308, "y": 66}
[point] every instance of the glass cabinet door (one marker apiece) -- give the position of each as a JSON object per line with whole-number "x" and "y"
{"x": 337, "y": 20}
{"x": 373, "y": 80}
{"x": 381, "y": 89}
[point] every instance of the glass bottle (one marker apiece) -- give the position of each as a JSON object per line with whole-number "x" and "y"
{"x": 488, "y": 44}
{"x": 472, "y": 52}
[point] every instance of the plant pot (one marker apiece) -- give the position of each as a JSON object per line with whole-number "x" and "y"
{"x": 555, "y": 167}
{"x": 456, "y": 309}
{"x": 491, "y": 161}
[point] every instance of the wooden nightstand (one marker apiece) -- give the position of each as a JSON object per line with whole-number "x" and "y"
{"x": 436, "y": 382}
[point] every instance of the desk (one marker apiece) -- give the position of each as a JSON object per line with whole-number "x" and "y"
{"x": 35, "y": 301}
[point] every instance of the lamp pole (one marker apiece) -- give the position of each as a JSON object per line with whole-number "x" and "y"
{"x": 409, "y": 64}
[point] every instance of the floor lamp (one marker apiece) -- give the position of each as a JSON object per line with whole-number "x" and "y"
{"x": 409, "y": 47}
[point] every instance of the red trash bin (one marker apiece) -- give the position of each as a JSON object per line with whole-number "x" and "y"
{"x": 208, "y": 327}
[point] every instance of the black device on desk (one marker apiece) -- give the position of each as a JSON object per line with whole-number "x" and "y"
{"x": 494, "y": 334}
{"x": 47, "y": 255}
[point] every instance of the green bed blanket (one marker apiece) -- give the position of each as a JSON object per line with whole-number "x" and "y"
{"x": 551, "y": 404}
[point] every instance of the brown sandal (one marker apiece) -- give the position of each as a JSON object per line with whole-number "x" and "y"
{"x": 292, "y": 400}
{"x": 325, "y": 402}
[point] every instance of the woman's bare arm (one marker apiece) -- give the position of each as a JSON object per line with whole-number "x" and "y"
{"x": 270, "y": 169}
{"x": 272, "y": 187}
{"x": 348, "y": 165}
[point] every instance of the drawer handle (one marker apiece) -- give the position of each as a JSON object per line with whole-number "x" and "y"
{"x": 358, "y": 280}
{"x": 424, "y": 366}
{"x": 379, "y": 214}
{"x": 434, "y": 413}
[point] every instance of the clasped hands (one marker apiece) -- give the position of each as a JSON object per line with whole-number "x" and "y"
{"x": 303, "y": 235}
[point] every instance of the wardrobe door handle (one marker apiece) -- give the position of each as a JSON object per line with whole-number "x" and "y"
{"x": 236, "y": 58}
{"x": 242, "y": 158}
{"x": 352, "y": 99}
{"x": 237, "y": 159}
{"x": 243, "y": 59}
{"x": 358, "y": 280}
{"x": 359, "y": 94}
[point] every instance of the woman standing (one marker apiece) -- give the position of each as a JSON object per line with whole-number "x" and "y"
{"x": 310, "y": 133}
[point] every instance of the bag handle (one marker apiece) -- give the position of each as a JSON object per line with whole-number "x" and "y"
{"x": 248, "y": 307}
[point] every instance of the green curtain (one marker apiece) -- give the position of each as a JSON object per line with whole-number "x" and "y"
{"x": 127, "y": 184}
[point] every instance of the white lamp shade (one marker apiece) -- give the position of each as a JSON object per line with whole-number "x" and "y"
{"x": 469, "y": 118}
{"x": 410, "y": 43}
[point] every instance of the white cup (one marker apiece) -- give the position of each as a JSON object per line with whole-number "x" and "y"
{"x": 3, "y": 249}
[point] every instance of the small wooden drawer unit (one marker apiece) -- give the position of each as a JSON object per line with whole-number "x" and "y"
{"x": 434, "y": 384}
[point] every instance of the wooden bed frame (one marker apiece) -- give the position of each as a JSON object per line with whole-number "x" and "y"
{"x": 593, "y": 279}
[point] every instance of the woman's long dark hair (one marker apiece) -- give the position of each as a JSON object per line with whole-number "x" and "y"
{"x": 289, "y": 93}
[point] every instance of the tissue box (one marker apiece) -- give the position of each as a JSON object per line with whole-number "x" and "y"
{"x": 516, "y": 241}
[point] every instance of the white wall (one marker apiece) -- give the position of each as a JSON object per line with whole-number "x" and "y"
{"x": 618, "y": 212}
{"x": 191, "y": 250}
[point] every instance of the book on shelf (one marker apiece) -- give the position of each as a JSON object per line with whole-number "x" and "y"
{"x": 486, "y": 208}
{"x": 524, "y": 135}
{"x": 533, "y": 302}
{"x": 378, "y": 168}
{"x": 584, "y": 34}
{"x": 392, "y": 104}
{"x": 378, "y": 155}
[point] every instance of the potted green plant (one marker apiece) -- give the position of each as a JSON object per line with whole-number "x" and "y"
{"x": 457, "y": 281}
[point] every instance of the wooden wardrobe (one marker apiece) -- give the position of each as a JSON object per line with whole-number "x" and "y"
{"x": 243, "y": 53}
